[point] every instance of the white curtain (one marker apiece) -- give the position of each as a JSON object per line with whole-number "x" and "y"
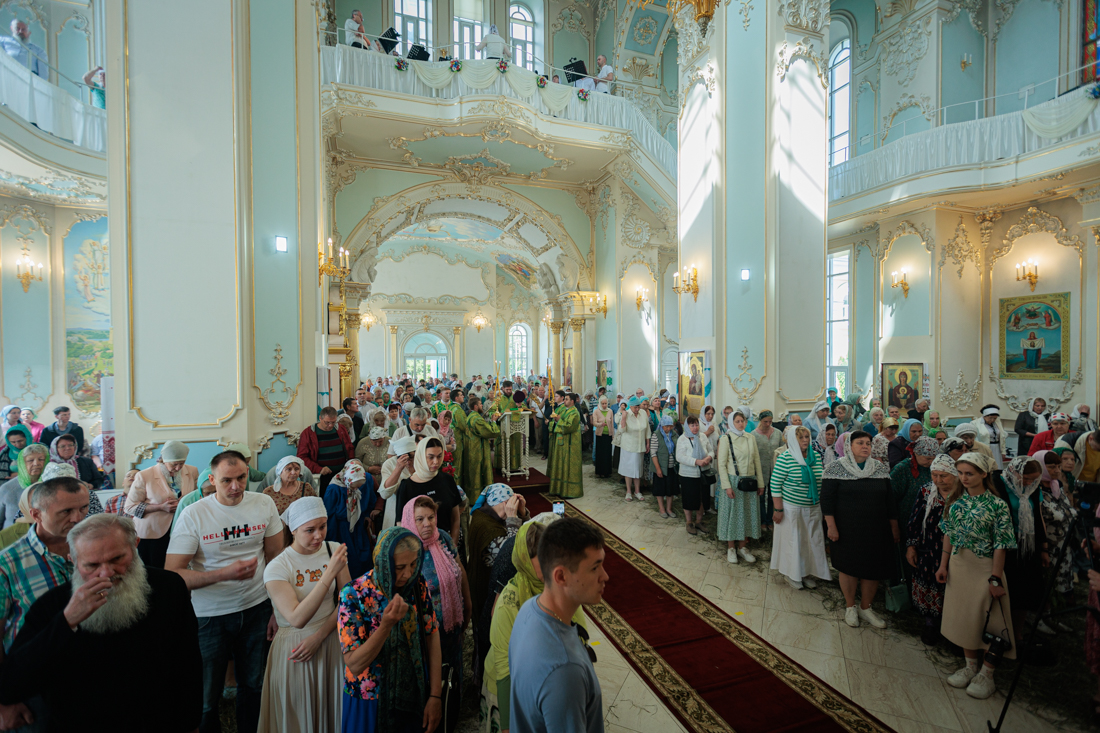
{"x": 57, "y": 112}
{"x": 343, "y": 64}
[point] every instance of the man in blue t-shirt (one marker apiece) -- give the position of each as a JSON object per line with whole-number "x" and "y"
{"x": 554, "y": 685}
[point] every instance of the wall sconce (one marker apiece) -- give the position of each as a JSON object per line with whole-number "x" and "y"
{"x": 479, "y": 321}
{"x": 598, "y": 304}
{"x": 745, "y": 274}
{"x": 280, "y": 244}
{"x": 967, "y": 60}
{"x": 546, "y": 318}
{"x": 1028, "y": 271}
{"x": 690, "y": 283}
{"x": 643, "y": 297}
{"x": 338, "y": 269}
{"x": 903, "y": 283}
{"x": 24, "y": 269}
{"x": 368, "y": 319}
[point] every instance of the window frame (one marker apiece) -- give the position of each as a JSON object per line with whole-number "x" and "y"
{"x": 514, "y": 364}
{"x": 841, "y": 54}
{"x": 528, "y": 42}
{"x": 422, "y": 25}
{"x": 838, "y": 370}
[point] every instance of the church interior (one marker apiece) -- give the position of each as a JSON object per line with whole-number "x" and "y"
{"x": 212, "y": 230}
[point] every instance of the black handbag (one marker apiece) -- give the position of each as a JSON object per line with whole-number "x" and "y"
{"x": 744, "y": 483}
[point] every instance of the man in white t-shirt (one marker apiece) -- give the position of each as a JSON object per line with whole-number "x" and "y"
{"x": 353, "y": 32}
{"x": 220, "y": 546}
{"x": 605, "y": 75}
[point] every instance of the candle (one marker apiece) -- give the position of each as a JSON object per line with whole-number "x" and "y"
{"x": 330, "y": 248}
{"x": 1017, "y": 270}
{"x": 321, "y": 250}
{"x": 1036, "y": 268}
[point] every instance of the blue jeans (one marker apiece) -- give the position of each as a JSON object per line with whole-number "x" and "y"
{"x": 241, "y": 636}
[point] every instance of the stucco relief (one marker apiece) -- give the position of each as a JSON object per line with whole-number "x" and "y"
{"x": 806, "y": 15}
{"x": 571, "y": 20}
{"x": 903, "y": 52}
{"x": 961, "y": 250}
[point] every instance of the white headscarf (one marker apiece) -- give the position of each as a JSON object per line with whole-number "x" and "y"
{"x": 729, "y": 422}
{"x": 792, "y": 445}
{"x": 283, "y": 463}
{"x": 304, "y": 510}
{"x": 1040, "y": 421}
{"x": 815, "y": 423}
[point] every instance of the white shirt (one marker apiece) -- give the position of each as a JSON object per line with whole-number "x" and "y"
{"x": 218, "y": 536}
{"x": 389, "y": 516}
{"x": 585, "y": 82}
{"x": 494, "y": 46}
{"x": 352, "y": 34}
{"x": 18, "y": 51}
{"x": 406, "y": 431}
{"x": 303, "y": 572}
{"x": 604, "y": 86}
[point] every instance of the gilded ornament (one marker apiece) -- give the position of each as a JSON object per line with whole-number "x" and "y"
{"x": 645, "y": 30}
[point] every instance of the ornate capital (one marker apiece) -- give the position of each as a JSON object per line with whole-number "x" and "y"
{"x": 556, "y": 326}
{"x": 811, "y": 16}
{"x": 457, "y": 330}
{"x": 393, "y": 330}
{"x": 577, "y": 324}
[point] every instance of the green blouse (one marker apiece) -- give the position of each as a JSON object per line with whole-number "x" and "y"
{"x": 980, "y": 524}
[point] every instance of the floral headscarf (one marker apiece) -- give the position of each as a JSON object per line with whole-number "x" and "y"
{"x": 924, "y": 446}
{"x": 492, "y": 495}
{"x": 353, "y": 473}
{"x": 55, "y": 458}
{"x": 1014, "y": 480}
{"x": 446, "y": 569}
{"x": 827, "y": 452}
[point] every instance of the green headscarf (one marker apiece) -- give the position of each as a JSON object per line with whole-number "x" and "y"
{"x": 404, "y": 660}
{"x": 25, "y": 479}
{"x": 525, "y": 584}
{"x": 13, "y": 453}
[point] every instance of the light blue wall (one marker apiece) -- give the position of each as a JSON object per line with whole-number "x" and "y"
{"x": 907, "y": 122}
{"x": 607, "y": 282}
{"x": 275, "y": 274}
{"x": 959, "y": 37}
{"x": 1027, "y": 53}
{"x": 356, "y": 199}
{"x": 866, "y": 116}
{"x": 605, "y": 37}
{"x": 278, "y": 449}
{"x": 907, "y": 316}
{"x": 863, "y": 313}
{"x": 372, "y": 15}
{"x": 568, "y": 45}
{"x": 865, "y": 14}
{"x": 73, "y": 59}
{"x": 26, "y": 319}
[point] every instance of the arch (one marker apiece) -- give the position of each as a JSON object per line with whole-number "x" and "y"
{"x": 520, "y": 343}
{"x": 426, "y": 353}
{"x": 521, "y": 34}
{"x": 840, "y": 102}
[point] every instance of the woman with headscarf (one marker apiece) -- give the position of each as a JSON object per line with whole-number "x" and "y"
{"x": 977, "y": 535}
{"x": 478, "y": 443}
{"x": 932, "y": 423}
{"x": 9, "y": 416}
{"x": 27, "y": 418}
{"x": 967, "y": 432}
{"x": 880, "y": 444}
{"x": 428, "y": 480}
{"x": 844, "y": 419}
{"x": 818, "y": 418}
{"x": 798, "y": 544}
{"x": 349, "y": 500}
{"x": 635, "y": 433}
{"x": 494, "y": 47}
{"x": 738, "y": 511}
{"x": 603, "y": 424}
{"x": 1030, "y": 423}
{"x": 389, "y": 636}
{"x": 768, "y": 442}
{"x": 901, "y": 447}
{"x": 677, "y": 468}
{"x": 445, "y": 427}
{"x": 862, "y": 519}
{"x": 707, "y": 428}
{"x": 825, "y": 445}
{"x": 497, "y": 515}
{"x": 22, "y": 522}
{"x": 371, "y": 450}
{"x": 153, "y": 497}
{"x": 1020, "y": 486}
{"x": 1081, "y": 418}
{"x": 63, "y": 450}
{"x": 911, "y": 475}
{"x": 305, "y": 669}
{"x": 289, "y": 487}
{"x": 14, "y": 441}
{"x": 990, "y": 433}
{"x": 566, "y": 455}
{"x": 954, "y": 447}
{"x": 1059, "y": 516}
{"x": 873, "y": 426}
{"x": 924, "y": 542}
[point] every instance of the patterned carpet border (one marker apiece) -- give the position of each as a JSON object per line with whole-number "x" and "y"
{"x": 687, "y": 703}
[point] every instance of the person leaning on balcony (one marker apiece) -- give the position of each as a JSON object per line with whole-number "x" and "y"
{"x": 354, "y": 35}
{"x": 605, "y": 75}
{"x": 494, "y": 46}
{"x": 18, "y": 45}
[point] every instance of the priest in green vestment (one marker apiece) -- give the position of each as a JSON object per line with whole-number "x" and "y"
{"x": 442, "y": 404}
{"x": 503, "y": 403}
{"x": 564, "y": 466}
{"x": 478, "y": 463}
{"x": 458, "y": 425}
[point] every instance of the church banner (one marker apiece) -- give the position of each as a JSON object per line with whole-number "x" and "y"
{"x": 89, "y": 356}
{"x": 901, "y": 386}
{"x": 1035, "y": 337}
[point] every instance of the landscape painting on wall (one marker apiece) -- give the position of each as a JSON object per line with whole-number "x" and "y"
{"x": 1035, "y": 337}
{"x": 89, "y": 355}
{"x": 901, "y": 386}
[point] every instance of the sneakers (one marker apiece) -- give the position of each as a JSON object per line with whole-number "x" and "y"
{"x": 872, "y": 618}
{"x": 851, "y": 617}
{"x": 746, "y": 555}
{"x": 982, "y": 686}
{"x": 796, "y": 584}
{"x": 731, "y": 555}
{"x": 809, "y": 582}
{"x": 1044, "y": 629}
{"x": 712, "y": 510}
{"x": 962, "y": 677}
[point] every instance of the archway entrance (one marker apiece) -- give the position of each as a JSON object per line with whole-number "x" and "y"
{"x": 426, "y": 356}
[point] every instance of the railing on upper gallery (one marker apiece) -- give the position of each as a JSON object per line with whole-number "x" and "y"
{"x": 956, "y": 143}
{"x": 50, "y": 107}
{"x": 342, "y": 64}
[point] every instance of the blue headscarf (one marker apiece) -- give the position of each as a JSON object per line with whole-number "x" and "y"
{"x": 669, "y": 442}
{"x": 492, "y": 495}
{"x": 904, "y": 432}
{"x": 634, "y": 401}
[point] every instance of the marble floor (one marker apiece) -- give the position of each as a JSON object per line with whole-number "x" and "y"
{"x": 888, "y": 672}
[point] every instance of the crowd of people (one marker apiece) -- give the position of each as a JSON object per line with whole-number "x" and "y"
{"x": 334, "y": 591}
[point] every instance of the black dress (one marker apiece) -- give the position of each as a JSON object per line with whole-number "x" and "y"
{"x": 862, "y": 509}
{"x": 1025, "y": 424}
{"x": 1024, "y": 574}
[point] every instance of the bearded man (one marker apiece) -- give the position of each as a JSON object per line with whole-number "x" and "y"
{"x": 121, "y": 618}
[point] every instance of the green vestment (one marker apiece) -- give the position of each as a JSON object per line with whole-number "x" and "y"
{"x": 565, "y": 454}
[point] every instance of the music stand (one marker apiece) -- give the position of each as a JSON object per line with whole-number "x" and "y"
{"x": 574, "y": 71}
{"x": 389, "y": 40}
{"x": 419, "y": 53}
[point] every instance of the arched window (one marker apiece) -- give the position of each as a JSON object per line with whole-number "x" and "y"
{"x": 426, "y": 356}
{"x": 413, "y": 20}
{"x": 840, "y": 102}
{"x": 1090, "y": 34}
{"x": 521, "y": 33}
{"x": 519, "y": 349}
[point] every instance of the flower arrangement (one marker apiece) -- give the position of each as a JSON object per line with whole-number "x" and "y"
{"x": 1094, "y": 91}
{"x": 582, "y": 94}
{"x": 541, "y": 81}
{"x": 502, "y": 66}
{"x": 448, "y": 463}
{"x": 401, "y": 64}
{"x": 456, "y": 66}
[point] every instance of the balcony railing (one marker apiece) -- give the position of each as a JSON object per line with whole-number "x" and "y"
{"x": 974, "y": 142}
{"x": 51, "y": 108}
{"x": 343, "y": 64}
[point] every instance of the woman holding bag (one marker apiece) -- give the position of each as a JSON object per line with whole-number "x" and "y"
{"x": 742, "y": 481}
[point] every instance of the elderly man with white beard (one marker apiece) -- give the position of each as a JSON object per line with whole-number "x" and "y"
{"x": 120, "y": 619}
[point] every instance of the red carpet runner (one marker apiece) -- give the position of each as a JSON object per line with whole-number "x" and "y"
{"x": 712, "y": 673}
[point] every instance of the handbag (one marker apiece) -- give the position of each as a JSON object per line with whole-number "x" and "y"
{"x": 744, "y": 483}
{"x": 897, "y": 596}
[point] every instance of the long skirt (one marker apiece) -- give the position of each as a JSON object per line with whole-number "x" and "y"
{"x": 739, "y": 517}
{"x": 603, "y": 456}
{"x": 667, "y": 485}
{"x": 630, "y": 464}
{"x": 966, "y": 600}
{"x": 361, "y": 716}
{"x": 299, "y": 697}
{"x": 798, "y": 545}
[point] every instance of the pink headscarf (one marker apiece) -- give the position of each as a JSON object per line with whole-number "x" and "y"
{"x": 446, "y": 569}
{"x": 1055, "y": 486}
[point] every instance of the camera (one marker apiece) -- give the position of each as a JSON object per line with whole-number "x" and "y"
{"x": 559, "y": 508}
{"x": 998, "y": 646}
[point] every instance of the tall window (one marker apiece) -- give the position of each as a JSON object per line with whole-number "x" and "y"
{"x": 1090, "y": 34}
{"x": 413, "y": 20}
{"x": 840, "y": 102}
{"x": 467, "y": 28}
{"x": 837, "y": 333}
{"x": 519, "y": 350}
{"x": 426, "y": 356}
{"x": 522, "y": 36}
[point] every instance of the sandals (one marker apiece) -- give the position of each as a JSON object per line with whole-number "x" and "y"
{"x": 628, "y": 498}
